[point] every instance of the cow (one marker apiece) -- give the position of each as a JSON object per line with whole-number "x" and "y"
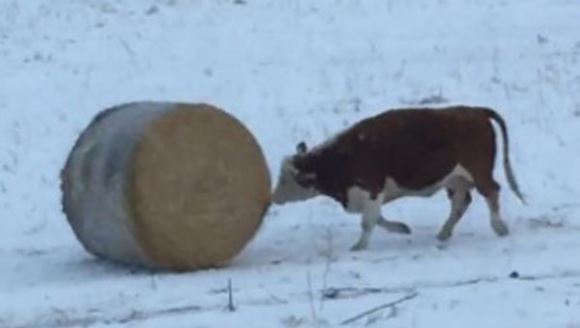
{"x": 403, "y": 152}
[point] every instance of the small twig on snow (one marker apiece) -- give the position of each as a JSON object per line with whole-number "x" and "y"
{"x": 379, "y": 308}
{"x": 351, "y": 292}
{"x": 231, "y": 306}
{"x": 329, "y": 254}
{"x": 130, "y": 51}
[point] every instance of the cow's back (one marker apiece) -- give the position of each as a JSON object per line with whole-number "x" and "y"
{"x": 416, "y": 147}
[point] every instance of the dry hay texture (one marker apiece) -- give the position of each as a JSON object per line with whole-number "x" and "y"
{"x": 166, "y": 185}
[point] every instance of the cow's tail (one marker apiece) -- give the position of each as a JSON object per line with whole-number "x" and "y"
{"x": 506, "y": 160}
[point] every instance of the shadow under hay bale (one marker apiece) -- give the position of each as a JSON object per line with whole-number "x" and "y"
{"x": 165, "y": 185}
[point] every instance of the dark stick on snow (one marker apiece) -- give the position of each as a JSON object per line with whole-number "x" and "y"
{"x": 378, "y": 308}
{"x": 231, "y": 306}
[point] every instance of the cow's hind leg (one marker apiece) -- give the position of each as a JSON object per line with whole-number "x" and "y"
{"x": 460, "y": 200}
{"x": 497, "y": 223}
{"x": 489, "y": 188}
{"x": 394, "y": 226}
{"x": 479, "y": 159}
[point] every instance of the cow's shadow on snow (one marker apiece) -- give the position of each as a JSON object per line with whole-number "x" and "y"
{"x": 66, "y": 266}
{"x": 314, "y": 236}
{"x": 305, "y": 244}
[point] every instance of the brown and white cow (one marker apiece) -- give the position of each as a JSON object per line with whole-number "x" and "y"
{"x": 403, "y": 152}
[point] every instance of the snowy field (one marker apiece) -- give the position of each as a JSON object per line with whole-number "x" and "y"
{"x": 292, "y": 71}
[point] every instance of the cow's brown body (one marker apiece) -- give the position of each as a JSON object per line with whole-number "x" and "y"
{"x": 405, "y": 152}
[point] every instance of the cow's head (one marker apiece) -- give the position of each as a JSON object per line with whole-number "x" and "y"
{"x": 295, "y": 183}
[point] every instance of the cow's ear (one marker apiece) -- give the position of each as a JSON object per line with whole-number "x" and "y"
{"x": 301, "y": 148}
{"x": 306, "y": 179}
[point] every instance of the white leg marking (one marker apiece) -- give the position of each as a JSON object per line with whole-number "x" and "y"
{"x": 360, "y": 199}
{"x": 497, "y": 224}
{"x": 368, "y": 224}
{"x": 459, "y": 204}
{"x": 460, "y": 186}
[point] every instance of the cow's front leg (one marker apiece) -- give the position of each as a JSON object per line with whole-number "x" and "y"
{"x": 370, "y": 217}
{"x": 368, "y": 223}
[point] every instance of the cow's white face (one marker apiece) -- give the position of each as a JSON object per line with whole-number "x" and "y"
{"x": 293, "y": 185}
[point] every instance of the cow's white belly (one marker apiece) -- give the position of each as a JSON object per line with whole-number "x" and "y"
{"x": 358, "y": 198}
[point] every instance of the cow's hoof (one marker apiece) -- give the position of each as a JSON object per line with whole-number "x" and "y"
{"x": 399, "y": 227}
{"x": 500, "y": 228}
{"x": 444, "y": 235}
{"x": 358, "y": 247}
{"x": 395, "y": 227}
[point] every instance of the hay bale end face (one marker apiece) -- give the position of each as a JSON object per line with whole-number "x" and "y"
{"x": 166, "y": 185}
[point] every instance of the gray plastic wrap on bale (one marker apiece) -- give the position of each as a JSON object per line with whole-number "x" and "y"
{"x": 165, "y": 185}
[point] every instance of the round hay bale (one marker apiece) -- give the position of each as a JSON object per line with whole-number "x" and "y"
{"x": 165, "y": 185}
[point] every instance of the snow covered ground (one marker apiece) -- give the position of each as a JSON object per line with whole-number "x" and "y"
{"x": 298, "y": 70}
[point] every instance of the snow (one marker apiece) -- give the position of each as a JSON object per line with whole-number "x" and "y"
{"x": 291, "y": 71}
